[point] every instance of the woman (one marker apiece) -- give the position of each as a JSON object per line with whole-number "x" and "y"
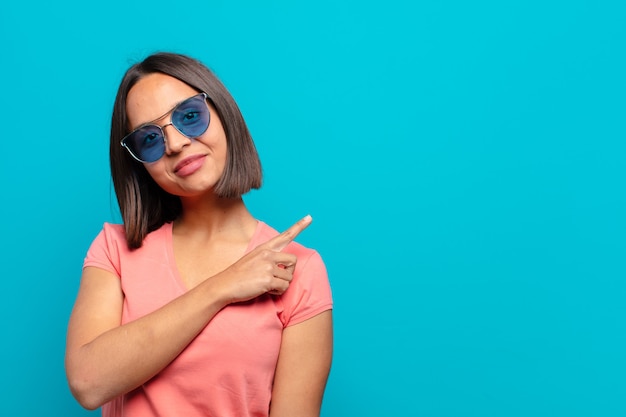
{"x": 193, "y": 307}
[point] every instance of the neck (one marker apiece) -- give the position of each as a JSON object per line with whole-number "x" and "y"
{"x": 210, "y": 217}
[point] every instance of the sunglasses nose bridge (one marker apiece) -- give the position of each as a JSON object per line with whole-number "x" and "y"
{"x": 176, "y": 145}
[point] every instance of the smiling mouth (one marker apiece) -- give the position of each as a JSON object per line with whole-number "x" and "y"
{"x": 187, "y": 161}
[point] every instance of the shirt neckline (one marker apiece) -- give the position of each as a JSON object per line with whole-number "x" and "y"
{"x": 169, "y": 250}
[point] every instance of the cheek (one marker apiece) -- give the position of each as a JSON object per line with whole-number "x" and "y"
{"x": 156, "y": 171}
{"x": 216, "y": 143}
{"x": 215, "y": 136}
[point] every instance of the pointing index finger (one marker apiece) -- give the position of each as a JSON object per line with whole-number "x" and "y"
{"x": 282, "y": 240}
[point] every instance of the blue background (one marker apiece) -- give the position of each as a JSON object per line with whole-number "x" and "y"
{"x": 463, "y": 161}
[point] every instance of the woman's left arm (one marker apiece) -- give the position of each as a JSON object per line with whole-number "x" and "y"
{"x": 303, "y": 366}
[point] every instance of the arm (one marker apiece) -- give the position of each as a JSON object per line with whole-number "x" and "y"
{"x": 104, "y": 359}
{"x": 303, "y": 367}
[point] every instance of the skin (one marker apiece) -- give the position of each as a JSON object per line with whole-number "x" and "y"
{"x": 105, "y": 359}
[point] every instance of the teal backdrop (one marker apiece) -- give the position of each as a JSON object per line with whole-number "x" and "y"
{"x": 463, "y": 162}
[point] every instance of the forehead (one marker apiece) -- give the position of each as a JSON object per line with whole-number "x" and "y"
{"x": 153, "y": 96}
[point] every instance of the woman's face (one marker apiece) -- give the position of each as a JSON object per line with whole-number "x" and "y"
{"x": 189, "y": 167}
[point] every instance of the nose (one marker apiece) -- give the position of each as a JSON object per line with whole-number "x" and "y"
{"x": 174, "y": 140}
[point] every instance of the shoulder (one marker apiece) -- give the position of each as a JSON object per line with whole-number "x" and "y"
{"x": 113, "y": 235}
{"x": 114, "y": 230}
{"x": 109, "y": 250}
{"x": 110, "y": 235}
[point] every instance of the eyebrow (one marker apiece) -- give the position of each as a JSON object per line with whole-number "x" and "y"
{"x": 153, "y": 121}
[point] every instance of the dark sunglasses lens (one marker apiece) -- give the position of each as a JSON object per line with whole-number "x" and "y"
{"x": 191, "y": 117}
{"x": 146, "y": 143}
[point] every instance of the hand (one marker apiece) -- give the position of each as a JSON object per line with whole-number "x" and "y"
{"x": 265, "y": 269}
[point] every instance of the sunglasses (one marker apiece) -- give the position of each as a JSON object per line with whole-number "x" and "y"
{"x": 191, "y": 118}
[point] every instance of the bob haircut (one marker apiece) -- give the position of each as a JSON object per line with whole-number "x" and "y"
{"x": 144, "y": 205}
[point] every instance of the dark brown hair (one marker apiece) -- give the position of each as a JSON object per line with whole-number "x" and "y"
{"x": 143, "y": 204}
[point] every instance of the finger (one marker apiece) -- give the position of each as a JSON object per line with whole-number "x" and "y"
{"x": 284, "y": 260}
{"x": 279, "y": 242}
{"x": 280, "y": 286}
{"x": 284, "y": 274}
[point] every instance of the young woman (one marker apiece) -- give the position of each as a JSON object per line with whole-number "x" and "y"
{"x": 193, "y": 307}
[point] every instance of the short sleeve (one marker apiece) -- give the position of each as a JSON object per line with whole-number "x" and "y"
{"x": 309, "y": 292}
{"x": 104, "y": 250}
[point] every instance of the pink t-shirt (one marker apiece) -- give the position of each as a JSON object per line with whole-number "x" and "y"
{"x": 228, "y": 369}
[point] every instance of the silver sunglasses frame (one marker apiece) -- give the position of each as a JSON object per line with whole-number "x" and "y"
{"x": 123, "y": 141}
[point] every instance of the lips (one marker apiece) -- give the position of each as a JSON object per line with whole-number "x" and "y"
{"x": 189, "y": 165}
